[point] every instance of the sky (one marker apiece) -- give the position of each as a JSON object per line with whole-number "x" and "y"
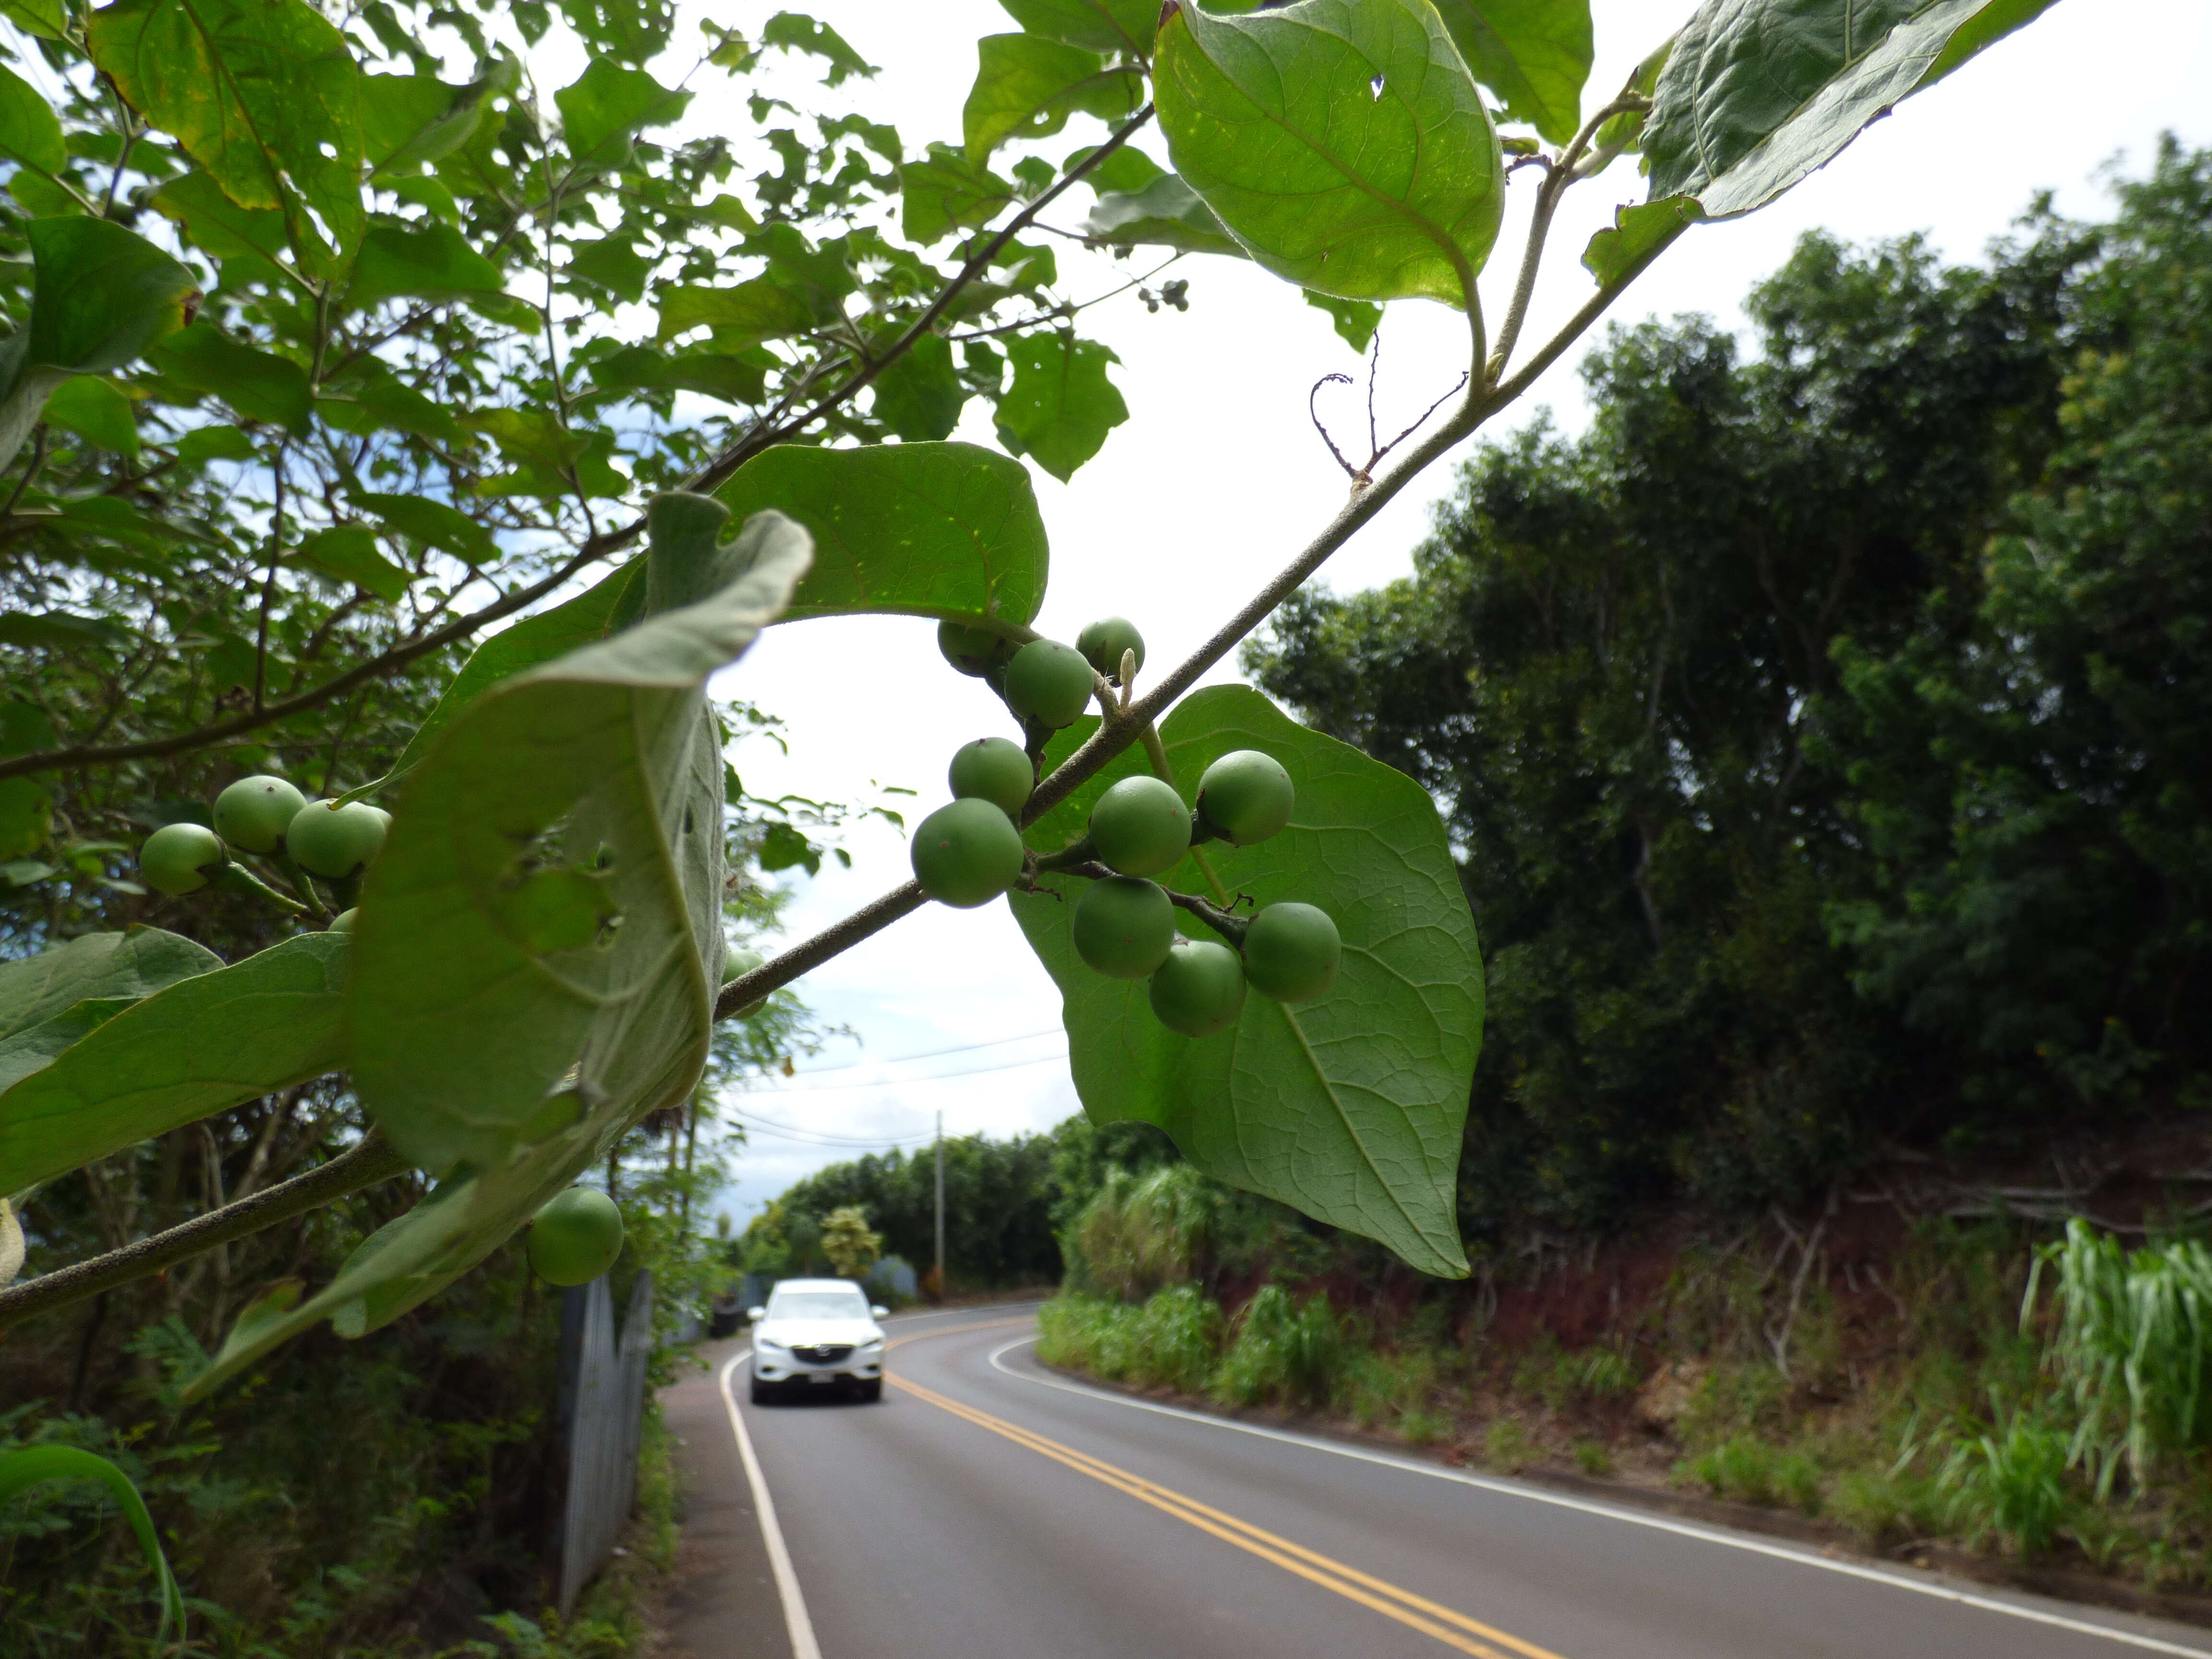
{"x": 1217, "y": 477}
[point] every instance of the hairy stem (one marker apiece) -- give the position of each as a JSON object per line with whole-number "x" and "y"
{"x": 363, "y": 1164}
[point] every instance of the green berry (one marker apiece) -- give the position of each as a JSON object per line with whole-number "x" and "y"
{"x": 343, "y": 922}
{"x": 576, "y": 1236}
{"x": 255, "y": 812}
{"x": 180, "y": 858}
{"x": 1140, "y": 827}
{"x": 1199, "y": 988}
{"x": 1049, "y": 683}
{"x": 1123, "y": 927}
{"x": 336, "y": 844}
{"x": 737, "y": 964}
{"x": 994, "y": 769}
{"x": 974, "y": 651}
{"x": 1292, "y": 951}
{"x": 1246, "y": 797}
{"x": 967, "y": 854}
{"x": 1105, "y": 640}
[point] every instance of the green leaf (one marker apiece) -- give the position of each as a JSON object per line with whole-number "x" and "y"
{"x": 731, "y": 379}
{"x": 744, "y": 314}
{"x": 1534, "y": 54}
{"x": 1355, "y": 320}
{"x": 367, "y": 409}
{"x": 1127, "y": 170}
{"x": 1167, "y": 212}
{"x": 589, "y": 618}
{"x": 523, "y": 1065}
{"x": 427, "y": 261}
{"x": 1123, "y": 27}
{"x": 36, "y": 1464}
{"x": 47, "y": 19}
{"x": 790, "y": 31}
{"x": 435, "y": 524}
{"x": 217, "y": 225}
{"x": 351, "y": 553}
{"x": 1367, "y": 194}
{"x": 607, "y": 103}
{"x": 945, "y": 191}
{"x": 60, "y": 630}
{"x": 100, "y": 295}
{"x": 919, "y": 529}
{"x": 26, "y": 819}
{"x": 1060, "y": 406}
{"x": 919, "y": 394}
{"x": 201, "y": 1045}
{"x": 96, "y": 412}
{"x": 30, "y": 132}
{"x": 263, "y": 93}
{"x": 1027, "y": 86}
{"x": 130, "y": 964}
{"x": 1758, "y": 93}
{"x": 258, "y": 385}
{"x": 214, "y": 443}
{"x": 1639, "y": 235}
{"x": 408, "y": 120}
{"x": 1349, "y": 1107}
{"x": 613, "y": 264}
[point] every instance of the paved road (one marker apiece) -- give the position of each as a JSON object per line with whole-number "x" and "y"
{"x": 988, "y": 1508}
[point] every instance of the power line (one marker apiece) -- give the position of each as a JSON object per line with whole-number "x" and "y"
{"x": 785, "y": 1133}
{"x": 934, "y": 1053}
{"x": 909, "y": 1082}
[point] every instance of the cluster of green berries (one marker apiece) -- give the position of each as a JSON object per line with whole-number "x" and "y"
{"x": 268, "y": 817}
{"x": 969, "y": 853}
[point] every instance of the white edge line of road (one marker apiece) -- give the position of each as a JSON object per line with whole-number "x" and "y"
{"x": 795, "y": 1621}
{"x": 1634, "y": 1517}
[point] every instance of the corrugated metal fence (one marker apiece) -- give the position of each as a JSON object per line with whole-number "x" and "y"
{"x": 601, "y": 1409}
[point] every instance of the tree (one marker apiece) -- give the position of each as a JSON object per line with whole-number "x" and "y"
{"x": 429, "y": 377}
{"x": 846, "y": 1240}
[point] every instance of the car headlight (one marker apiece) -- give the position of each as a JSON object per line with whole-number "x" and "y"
{"x": 769, "y": 1342}
{"x": 871, "y": 1347}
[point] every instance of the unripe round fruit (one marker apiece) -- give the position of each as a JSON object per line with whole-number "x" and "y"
{"x": 576, "y": 1236}
{"x": 967, "y": 854}
{"x": 336, "y": 844}
{"x": 1049, "y": 683}
{"x": 1199, "y": 988}
{"x": 1123, "y": 927}
{"x": 974, "y": 651}
{"x": 1140, "y": 827}
{"x": 1292, "y": 951}
{"x": 1246, "y": 797}
{"x": 1103, "y": 643}
{"x": 180, "y": 858}
{"x": 736, "y": 964}
{"x": 994, "y": 769}
{"x": 343, "y": 922}
{"x": 255, "y": 812}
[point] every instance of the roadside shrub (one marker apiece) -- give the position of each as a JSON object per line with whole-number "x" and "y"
{"x": 2010, "y": 1481}
{"x": 1506, "y": 1446}
{"x": 1140, "y": 1233}
{"x": 1174, "y": 1338}
{"x": 1284, "y": 1352}
{"x": 1750, "y": 1471}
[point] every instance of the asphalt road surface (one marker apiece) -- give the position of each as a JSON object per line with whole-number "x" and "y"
{"x": 988, "y": 1507}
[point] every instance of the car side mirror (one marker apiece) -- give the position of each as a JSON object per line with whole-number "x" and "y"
{"x": 756, "y": 1315}
{"x": 875, "y": 1312}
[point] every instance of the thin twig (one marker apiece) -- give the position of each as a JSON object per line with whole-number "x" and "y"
{"x": 1350, "y": 471}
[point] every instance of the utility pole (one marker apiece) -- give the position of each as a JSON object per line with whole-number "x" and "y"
{"x": 940, "y": 1204}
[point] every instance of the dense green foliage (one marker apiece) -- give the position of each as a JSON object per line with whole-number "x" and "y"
{"x": 1822, "y": 732}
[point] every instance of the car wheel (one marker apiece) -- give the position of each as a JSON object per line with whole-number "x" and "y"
{"x": 762, "y": 1392}
{"x": 869, "y": 1391}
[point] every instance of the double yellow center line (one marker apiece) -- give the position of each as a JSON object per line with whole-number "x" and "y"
{"x": 1452, "y": 1628}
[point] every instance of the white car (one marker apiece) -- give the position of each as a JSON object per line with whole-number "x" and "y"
{"x": 816, "y": 1334}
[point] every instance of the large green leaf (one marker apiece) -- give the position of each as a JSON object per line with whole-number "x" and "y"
{"x": 1534, "y": 54}
{"x": 258, "y": 384}
{"x": 133, "y": 963}
{"x": 96, "y": 412}
{"x": 590, "y": 616}
{"x": 1349, "y": 1107}
{"x": 436, "y": 524}
{"x": 1118, "y": 27}
{"x": 30, "y": 132}
{"x": 33, "y": 1465}
{"x": 217, "y": 225}
{"x": 1758, "y": 93}
{"x": 504, "y": 1029}
{"x": 199, "y": 1046}
{"x": 263, "y": 93}
{"x": 1167, "y": 212}
{"x": 410, "y": 119}
{"x": 1060, "y": 406}
{"x": 744, "y": 313}
{"x": 919, "y": 529}
{"x": 427, "y": 261}
{"x": 919, "y": 394}
{"x": 1368, "y": 192}
{"x": 100, "y": 295}
{"x": 945, "y": 191}
{"x": 1026, "y": 87}
{"x": 603, "y": 106}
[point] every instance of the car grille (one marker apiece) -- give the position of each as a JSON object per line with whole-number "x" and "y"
{"x": 822, "y": 1354}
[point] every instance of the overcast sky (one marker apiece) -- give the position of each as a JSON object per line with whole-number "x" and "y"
{"x": 1218, "y": 478}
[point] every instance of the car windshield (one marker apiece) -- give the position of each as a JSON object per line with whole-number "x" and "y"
{"x": 817, "y": 1304}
